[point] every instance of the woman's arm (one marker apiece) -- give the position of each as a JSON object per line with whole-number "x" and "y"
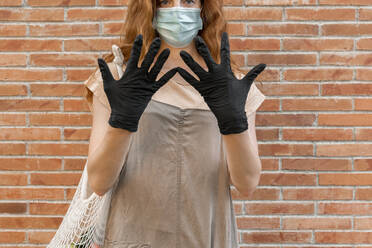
{"x": 243, "y": 161}
{"x": 108, "y": 148}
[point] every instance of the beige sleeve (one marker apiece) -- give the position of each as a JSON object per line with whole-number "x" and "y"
{"x": 94, "y": 85}
{"x": 254, "y": 98}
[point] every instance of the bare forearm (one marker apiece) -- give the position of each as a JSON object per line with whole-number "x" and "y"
{"x": 105, "y": 164}
{"x": 243, "y": 161}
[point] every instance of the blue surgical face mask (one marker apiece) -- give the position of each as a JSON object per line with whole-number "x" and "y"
{"x": 178, "y": 26}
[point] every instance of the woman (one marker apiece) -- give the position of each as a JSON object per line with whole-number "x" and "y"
{"x": 173, "y": 142}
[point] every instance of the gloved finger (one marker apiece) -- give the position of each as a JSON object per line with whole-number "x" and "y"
{"x": 135, "y": 52}
{"x": 204, "y": 52}
{"x": 195, "y": 67}
{"x": 225, "y": 49}
{"x": 105, "y": 72}
{"x": 187, "y": 76}
{"x": 252, "y": 74}
{"x": 149, "y": 57}
{"x": 163, "y": 56}
{"x": 165, "y": 78}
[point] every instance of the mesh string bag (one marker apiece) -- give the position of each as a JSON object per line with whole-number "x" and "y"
{"x": 84, "y": 223}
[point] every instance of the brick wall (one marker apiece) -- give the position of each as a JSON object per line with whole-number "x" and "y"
{"x": 313, "y": 129}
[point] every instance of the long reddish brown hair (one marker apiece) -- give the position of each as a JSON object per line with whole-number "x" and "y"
{"x": 139, "y": 19}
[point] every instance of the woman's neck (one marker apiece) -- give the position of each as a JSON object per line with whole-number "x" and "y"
{"x": 175, "y": 59}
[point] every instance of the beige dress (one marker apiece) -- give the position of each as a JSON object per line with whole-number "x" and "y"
{"x": 173, "y": 190}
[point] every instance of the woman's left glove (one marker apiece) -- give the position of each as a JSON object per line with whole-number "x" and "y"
{"x": 224, "y": 94}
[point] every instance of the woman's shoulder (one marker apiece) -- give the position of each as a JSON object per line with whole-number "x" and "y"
{"x": 94, "y": 84}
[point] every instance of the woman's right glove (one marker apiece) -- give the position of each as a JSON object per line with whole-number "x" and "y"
{"x": 129, "y": 96}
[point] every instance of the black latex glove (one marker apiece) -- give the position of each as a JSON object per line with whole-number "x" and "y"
{"x": 130, "y": 95}
{"x": 222, "y": 91}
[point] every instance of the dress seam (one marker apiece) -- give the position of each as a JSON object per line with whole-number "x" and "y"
{"x": 179, "y": 168}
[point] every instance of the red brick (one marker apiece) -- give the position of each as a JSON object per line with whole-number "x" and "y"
{"x": 111, "y": 14}
{"x": 314, "y": 44}
{"x": 270, "y": 164}
{"x": 13, "y": 30}
{"x": 317, "y": 134}
{"x": 362, "y": 223}
{"x": 48, "y": 208}
{"x": 274, "y": 208}
{"x": 11, "y": 3}
{"x": 30, "y": 222}
{"x": 12, "y": 60}
{"x": 285, "y": 179}
{"x": 58, "y": 149}
{"x": 258, "y": 223}
{"x": 30, "y": 134}
{"x": 13, "y": 89}
{"x": 89, "y": 44}
{"x": 346, "y": 29}
{"x": 363, "y": 134}
{"x": 60, "y": 3}
{"x": 121, "y": 2}
{"x": 280, "y": 2}
{"x": 314, "y": 194}
{"x": 29, "y": 105}
{"x": 313, "y": 104}
{"x": 345, "y": 2}
{"x": 61, "y": 119}
{"x": 316, "y": 164}
{"x": 237, "y": 44}
{"x": 362, "y": 104}
{"x": 364, "y": 44}
{"x": 363, "y": 74}
{"x": 355, "y": 179}
{"x": 292, "y": 89}
{"x": 348, "y": 208}
{"x": 32, "y": 15}
{"x": 295, "y": 223}
{"x": 283, "y": 29}
{"x": 253, "y": 14}
{"x": 345, "y": 59}
{"x": 320, "y": 14}
{"x": 62, "y": 59}
{"x": 13, "y": 208}
{"x": 30, "y": 164}
{"x": 17, "y": 237}
{"x": 285, "y": 119}
{"x": 285, "y": 150}
{"x": 318, "y": 74}
{"x": 345, "y": 119}
{"x": 267, "y": 134}
{"x": 363, "y": 194}
{"x": 362, "y": 164}
{"x": 29, "y": 45}
{"x": 276, "y": 237}
{"x": 346, "y": 89}
{"x": 343, "y": 237}
{"x": 56, "y": 30}
{"x": 282, "y": 59}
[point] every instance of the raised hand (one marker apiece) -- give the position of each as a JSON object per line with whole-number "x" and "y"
{"x": 222, "y": 91}
{"x": 129, "y": 96}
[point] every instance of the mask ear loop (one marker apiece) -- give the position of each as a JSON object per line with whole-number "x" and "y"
{"x": 154, "y": 25}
